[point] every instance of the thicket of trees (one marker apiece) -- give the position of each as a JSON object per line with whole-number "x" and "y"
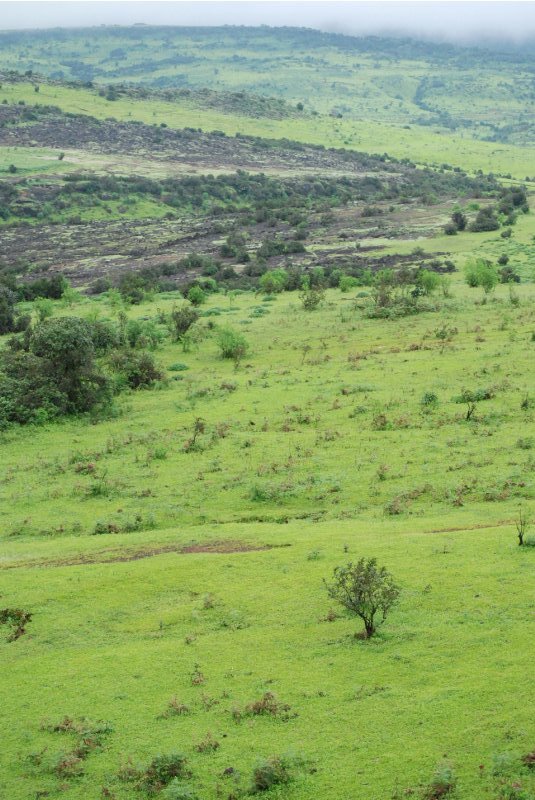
{"x": 67, "y": 365}
{"x": 257, "y": 193}
{"x": 511, "y": 201}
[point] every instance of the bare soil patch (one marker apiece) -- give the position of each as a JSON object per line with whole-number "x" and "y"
{"x": 120, "y": 556}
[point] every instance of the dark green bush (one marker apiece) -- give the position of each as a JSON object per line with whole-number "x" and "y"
{"x": 162, "y": 770}
{"x": 137, "y": 369}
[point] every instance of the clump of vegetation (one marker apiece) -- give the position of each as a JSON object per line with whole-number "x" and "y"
{"x": 311, "y": 296}
{"x": 176, "y": 790}
{"x": 207, "y": 745}
{"x": 175, "y": 709}
{"x": 481, "y": 272}
{"x": 442, "y": 784}
{"x": 137, "y": 370}
{"x": 16, "y": 620}
{"x": 522, "y": 527}
{"x": 182, "y": 319}
{"x": 232, "y": 344}
{"x": 268, "y": 705}
{"x": 162, "y": 770}
{"x": 273, "y": 281}
{"x": 364, "y": 590}
{"x": 403, "y": 292}
{"x": 276, "y": 771}
{"x": 51, "y": 373}
{"x": 89, "y": 737}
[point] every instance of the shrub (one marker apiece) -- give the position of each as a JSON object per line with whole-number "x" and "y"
{"x": 16, "y": 619}
{"x": 347, "y": 282}
{"x": 522, "y": 525}
{"x": 7, "y": 310}
{"x": 207, "y": 745}
{"x": 142, "y": 333}
{"x": 311, "y": 296}
{"x": 182, "y": 319}
{"x": 267, "y": 705}
{"x": 459, "y": 220}
{"x": 429, "y": 400}
{"x": 68, "y": 765}
{"x": 175, "y": 709}
{"x": 364, "y": 590}
{"x": 232, "y": 344}
{"x": 442, "y": 783}
{"x": 273, "y": 281}
{"x": 133, "y": 286}
{"x": 162, "y": 770}
{"x": 474, "y": 395}
{"x": 52, "y": 373}
{"x": 44, "y": 308}
{"x": 196, "y": 296}
{"x": 105, "y": 336}
{"x": 137, "y": 369}
{"x": 508, "y": 275}
{"x": 275, "y": 771}
{"x": 427, "y": 281}
{"x": 480, "y": 272}
{"x": 485, "y": 220}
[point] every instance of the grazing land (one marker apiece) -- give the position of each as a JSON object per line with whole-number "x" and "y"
{"x": 245, "y": 342}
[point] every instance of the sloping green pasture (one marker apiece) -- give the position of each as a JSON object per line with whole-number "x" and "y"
{"x": 318, "y": 455}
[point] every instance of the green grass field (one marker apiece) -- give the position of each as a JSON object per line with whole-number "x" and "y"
{"x": 299, "y": 465}
{"x": 172, "y": 585}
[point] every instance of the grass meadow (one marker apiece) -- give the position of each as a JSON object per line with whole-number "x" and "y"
{"x": 215, "y": 565}
{"x": 172, "y": 553}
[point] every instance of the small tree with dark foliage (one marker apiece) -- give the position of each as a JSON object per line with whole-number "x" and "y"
{"x": 365, "y": 590}
{"x": 182, "y": 319}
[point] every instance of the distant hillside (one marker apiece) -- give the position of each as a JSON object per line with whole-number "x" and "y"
{"x": 485, "y": 93}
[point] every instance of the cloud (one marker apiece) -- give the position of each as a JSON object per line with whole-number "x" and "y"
{"x": 450, "y": 21}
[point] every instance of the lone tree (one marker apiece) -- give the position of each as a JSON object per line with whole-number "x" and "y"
{"x": 182, "y": 319}
{"x": 365, "y": 590}
{"x": 522, "y": 525}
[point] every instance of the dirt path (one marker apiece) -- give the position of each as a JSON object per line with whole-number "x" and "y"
{"x": 119, "y": 556}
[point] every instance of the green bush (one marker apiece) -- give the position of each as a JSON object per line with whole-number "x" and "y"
{"x": 232, "y": 344}
{"x": 162, "y": 770}
{"x": 273, "y": 281}
{"x": 182, "y": 319}
{"x": 51, "y": 374}
{"x": 137, "y": 369}
{"x": 196, "y": 296}
{"x": 275, "y": 771}
{"x": 347, "y": 282}
{"x": 480, "y": 272}
{"x": 429, "y": 400}
{"x": 442, "y": 783}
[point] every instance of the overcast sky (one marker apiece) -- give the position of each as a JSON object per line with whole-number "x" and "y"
{"x": 439, "y": 20}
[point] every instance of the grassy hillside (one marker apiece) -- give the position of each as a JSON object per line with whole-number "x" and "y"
{"x": 295, "y": 465}
{"x": 169, "y": 514}
{"x": 421, "y": 144}
{"x": 487, "y": 94}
